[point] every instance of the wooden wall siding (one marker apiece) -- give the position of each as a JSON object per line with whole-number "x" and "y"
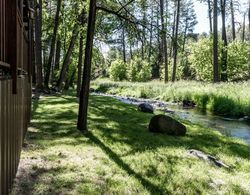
{"x": 2, "y": 30}
{"x": 15, "y": 87}
{"x": 14, "y": 119}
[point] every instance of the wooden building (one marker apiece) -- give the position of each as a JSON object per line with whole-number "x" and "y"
{"x": 16, "y": 48}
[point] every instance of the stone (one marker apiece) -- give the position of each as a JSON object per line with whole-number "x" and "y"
{"x": 206, "y": 157}
{"x": 188, "y": 104}
{"x": 168, "y": 125}
{"x": 145, "y": 107}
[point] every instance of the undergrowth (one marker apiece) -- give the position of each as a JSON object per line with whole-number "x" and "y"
{"x": 228, "y": 99}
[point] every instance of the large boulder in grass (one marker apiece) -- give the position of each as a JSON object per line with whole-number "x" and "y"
{"x": 168, "y": 125}
{"x": 145, "y": 107}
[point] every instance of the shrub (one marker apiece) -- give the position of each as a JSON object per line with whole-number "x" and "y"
{"x": 118, "y": 70}
{"x": 238, "y": 60}
{"x": 139, "y": 70}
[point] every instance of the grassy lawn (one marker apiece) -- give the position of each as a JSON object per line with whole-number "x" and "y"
{"x": 229, "y": 99}
{"x": 120, "y": 156}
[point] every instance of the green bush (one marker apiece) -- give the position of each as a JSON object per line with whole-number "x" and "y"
{"x": 201, "y": 59}
{"x": 139, "y": 70}
{"x": 118, "y": 70}
{"x": 238, "y": 62}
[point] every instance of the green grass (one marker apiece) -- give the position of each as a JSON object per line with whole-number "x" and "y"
{"x": 120, "y": 156}
{"x": 228, "y": 99}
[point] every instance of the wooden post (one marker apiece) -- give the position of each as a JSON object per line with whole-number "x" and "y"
{"x": 12, "y": 47}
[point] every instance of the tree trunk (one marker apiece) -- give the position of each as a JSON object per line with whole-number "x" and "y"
{"x": 224, "y": 39}
{"x": 249, "y": 18}
{"x": 173, "y": 31}
{"x": 232, "y": 19}
{"x": 70, "y": 80}
{"x": 210, "y": 16}
{"x": 123, "y": 43}
{"x": 58, "y": 54}
{"x": 185, "y": 36}
{"x": 175, "y": 41}
{"x": 84, "y": 94}
{"x": 130, "y": 50}
{"x": 159, "y": 61}
{"x": 66, "y": 61}
{"x": 79, "y": 77}
{"x": 38, "y": 39}
{"x": 151, "y": 36}
{"x": 52, "y": 46}
{"x": 215, "y": 45}
{"x": 164, "y": 41}
{"x": 244, "y": 27}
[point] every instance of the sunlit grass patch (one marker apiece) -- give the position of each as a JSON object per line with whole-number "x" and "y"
{"x": 120, "y": 156}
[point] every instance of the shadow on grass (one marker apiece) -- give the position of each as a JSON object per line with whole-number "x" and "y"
{"x": 115, "y": 123}
{"x": 129, "y": 127}
{"x": 153, "y": 189}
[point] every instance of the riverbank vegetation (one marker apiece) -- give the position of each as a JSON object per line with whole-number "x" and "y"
{"x": 120, "y": 156}
{"x": 228, "y": 99}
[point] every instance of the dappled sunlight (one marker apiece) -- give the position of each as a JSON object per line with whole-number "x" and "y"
{"x": 119, "y": 151}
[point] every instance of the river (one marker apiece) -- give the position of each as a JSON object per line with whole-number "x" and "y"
{"x": 238, "y": 128}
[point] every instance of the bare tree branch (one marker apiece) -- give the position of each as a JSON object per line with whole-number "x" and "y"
{"x": 129, "y": 19}
{"x": 125, "y": 5}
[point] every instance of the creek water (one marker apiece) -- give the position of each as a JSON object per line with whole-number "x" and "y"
{"x": 239, "y": 128}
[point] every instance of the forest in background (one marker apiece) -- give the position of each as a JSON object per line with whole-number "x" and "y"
{"x": 146, "y": 40}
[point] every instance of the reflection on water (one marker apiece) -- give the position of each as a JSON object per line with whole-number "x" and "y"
{"x": 233, "y": 128}
{"x": 226, "y": 126}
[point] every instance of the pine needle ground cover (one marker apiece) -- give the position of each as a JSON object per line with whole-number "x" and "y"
{"x": 227, "y": 99}
{"x": 120, "y": 156}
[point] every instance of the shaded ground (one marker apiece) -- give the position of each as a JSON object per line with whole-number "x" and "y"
{"x": 120, "y": 156}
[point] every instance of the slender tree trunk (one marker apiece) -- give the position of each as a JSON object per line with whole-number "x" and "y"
{"x": 69, "y": 82}
{"x": 176, "y": 41}
{"x": 224, "y": 39}
{"x": 151, "y": 35}
{"x": 123, "y": 43}
{"x": 131, "y": 50}
{"x": 210, "y": 16}
{"x": 159, "y": 61}
{"x": 173, "y": 31}
{"x": 185, "y": 36}
{"x": 72, "y": 79}
{"x": 52, "y": 46}
{"x": 164, "y": 40}
{"x": 66, "y": 61}
{"x": 142, "y": 48}
{"x": 244, "y": 27}
{"x": 58, "y": 54}
{"x": 232, "y": 19}
{"x": 79, "y": 77}
{"x": 38, "y": 39}
{"x": 249, "y": 18}
{"x": 143, "y": 38}
{"x": 84, "y": 94}
{"x": 215, "y": 44}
